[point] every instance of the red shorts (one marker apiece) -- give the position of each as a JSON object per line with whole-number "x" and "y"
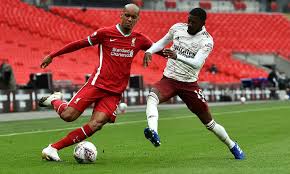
{"x": 190, "y": 93}
{"x": 104, "y": 101}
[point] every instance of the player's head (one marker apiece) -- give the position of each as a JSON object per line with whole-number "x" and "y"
{"x": 196, "y": 19}
{"x": 129, "y": 16}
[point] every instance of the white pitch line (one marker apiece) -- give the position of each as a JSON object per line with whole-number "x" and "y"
{"x": 141, "y": 121}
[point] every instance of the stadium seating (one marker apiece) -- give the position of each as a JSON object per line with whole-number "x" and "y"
{"x": 230, "y": 34}
{"x": 239, "y": 5}
{"x": 274, "y": 6}
{"x": 139, "y": 3}
{"x": 205, "y": 4}
{"x": 170, "y": 4}
{"x": 29, "y": 33}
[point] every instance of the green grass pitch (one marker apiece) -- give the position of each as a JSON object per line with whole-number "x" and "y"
{"x": 262, "y": 130}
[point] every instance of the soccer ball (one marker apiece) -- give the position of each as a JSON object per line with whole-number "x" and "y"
{"x": 243, "y": 100}
{"x": 122, "y": 107}
{"x": 85, "y": 152}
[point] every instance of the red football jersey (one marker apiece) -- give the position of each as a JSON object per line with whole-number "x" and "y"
{"x": 116, "y": 52}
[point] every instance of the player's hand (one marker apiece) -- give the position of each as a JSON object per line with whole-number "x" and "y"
{"x": 46, "y": 61}
{"x": 147, "y": 59}
{"x": 170, "y": 54}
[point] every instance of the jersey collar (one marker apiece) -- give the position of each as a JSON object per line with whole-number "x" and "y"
{"x": 202, "y": 30}
{"x": 119, "y": 29}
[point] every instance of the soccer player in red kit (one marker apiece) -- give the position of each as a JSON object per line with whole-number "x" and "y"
{"x": 117, "y": 45}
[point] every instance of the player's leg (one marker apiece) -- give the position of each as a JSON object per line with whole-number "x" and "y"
{"x": 54, "y": 100}
{"x": 70, "y": 111}
{"x": 103, "y": 112}
{"x": 196, "y": 102}
{"x": 97, "y": 121}
{"x": 161, "y": 92}
{"x": 61, "y": 107}
{"x": 222, "y": 134}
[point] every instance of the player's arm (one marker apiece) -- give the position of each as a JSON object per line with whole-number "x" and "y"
{"x": 199, "y": 58}
{"x": 91, "y": 40}
{"x": 156, "y": 48}
{"x": 71, "y": 47}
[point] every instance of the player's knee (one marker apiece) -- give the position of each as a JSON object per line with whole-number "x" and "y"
{"x": 152, "y": 99}
{"x": 96, "y": 125}
{"x": 69, "y": 116}
{"x": 98, "y": 120}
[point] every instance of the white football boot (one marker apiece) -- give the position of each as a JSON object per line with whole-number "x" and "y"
{"x": 46, "y": 101}
{"x": 50, "y": 154}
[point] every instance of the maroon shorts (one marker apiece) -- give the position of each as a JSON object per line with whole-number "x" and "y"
{"x": 104, "y": 101}
{"x": 190, "y": 93}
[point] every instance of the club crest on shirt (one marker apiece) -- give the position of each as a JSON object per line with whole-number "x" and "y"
{"x": 133, "y": 41}
{"x": 194, "y": 45}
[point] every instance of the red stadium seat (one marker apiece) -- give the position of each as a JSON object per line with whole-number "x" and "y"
{"x": 29, "y": 33}
{"x": 139, "y": 3}
{"x": 170, "y": 4}
{"x": 239, "y": 5}
{"x": 274, "y": 6}
{"x": 205, "y": 4}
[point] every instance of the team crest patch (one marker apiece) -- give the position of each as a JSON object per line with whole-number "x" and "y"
{"x": 194, "y": 45}
{"x": 133, "y": 41}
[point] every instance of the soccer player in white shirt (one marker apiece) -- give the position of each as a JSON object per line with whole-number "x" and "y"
{"x": 191, "y": 46}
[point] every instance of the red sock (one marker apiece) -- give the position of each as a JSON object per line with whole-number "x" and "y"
{"x": 73, "y": 137}
{"x": 59, "y": 105}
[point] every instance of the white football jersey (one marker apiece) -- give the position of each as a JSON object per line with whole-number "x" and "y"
{"x": 187, "y": 46}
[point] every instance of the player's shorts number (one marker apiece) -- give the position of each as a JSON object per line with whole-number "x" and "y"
{"x": 200, "y": 95}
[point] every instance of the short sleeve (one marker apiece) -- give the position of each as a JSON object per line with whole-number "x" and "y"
{"x": 172, "y": 31}
{"x": 97, "y": 37}
{"x": 146, "y": 42}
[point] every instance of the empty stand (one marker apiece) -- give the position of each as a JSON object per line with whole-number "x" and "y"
{"x": 231, "y": 32}
{"x": 205, "y": 4}
{"x": 170, "y": 4}
{"x": 29, "y": 33}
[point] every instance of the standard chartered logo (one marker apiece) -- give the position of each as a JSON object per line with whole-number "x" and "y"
{"x": 121, "y": 52}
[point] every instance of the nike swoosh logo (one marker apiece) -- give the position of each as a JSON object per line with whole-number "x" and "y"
{"x": 111, "y": 40}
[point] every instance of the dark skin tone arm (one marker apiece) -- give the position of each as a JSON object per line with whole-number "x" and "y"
{"x": 167, "y": 53}
{"x": 71, "y": 47}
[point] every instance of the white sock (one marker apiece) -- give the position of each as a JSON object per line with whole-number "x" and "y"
{"x": 221, "y": 133}
{"x": 152, "y": 111}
